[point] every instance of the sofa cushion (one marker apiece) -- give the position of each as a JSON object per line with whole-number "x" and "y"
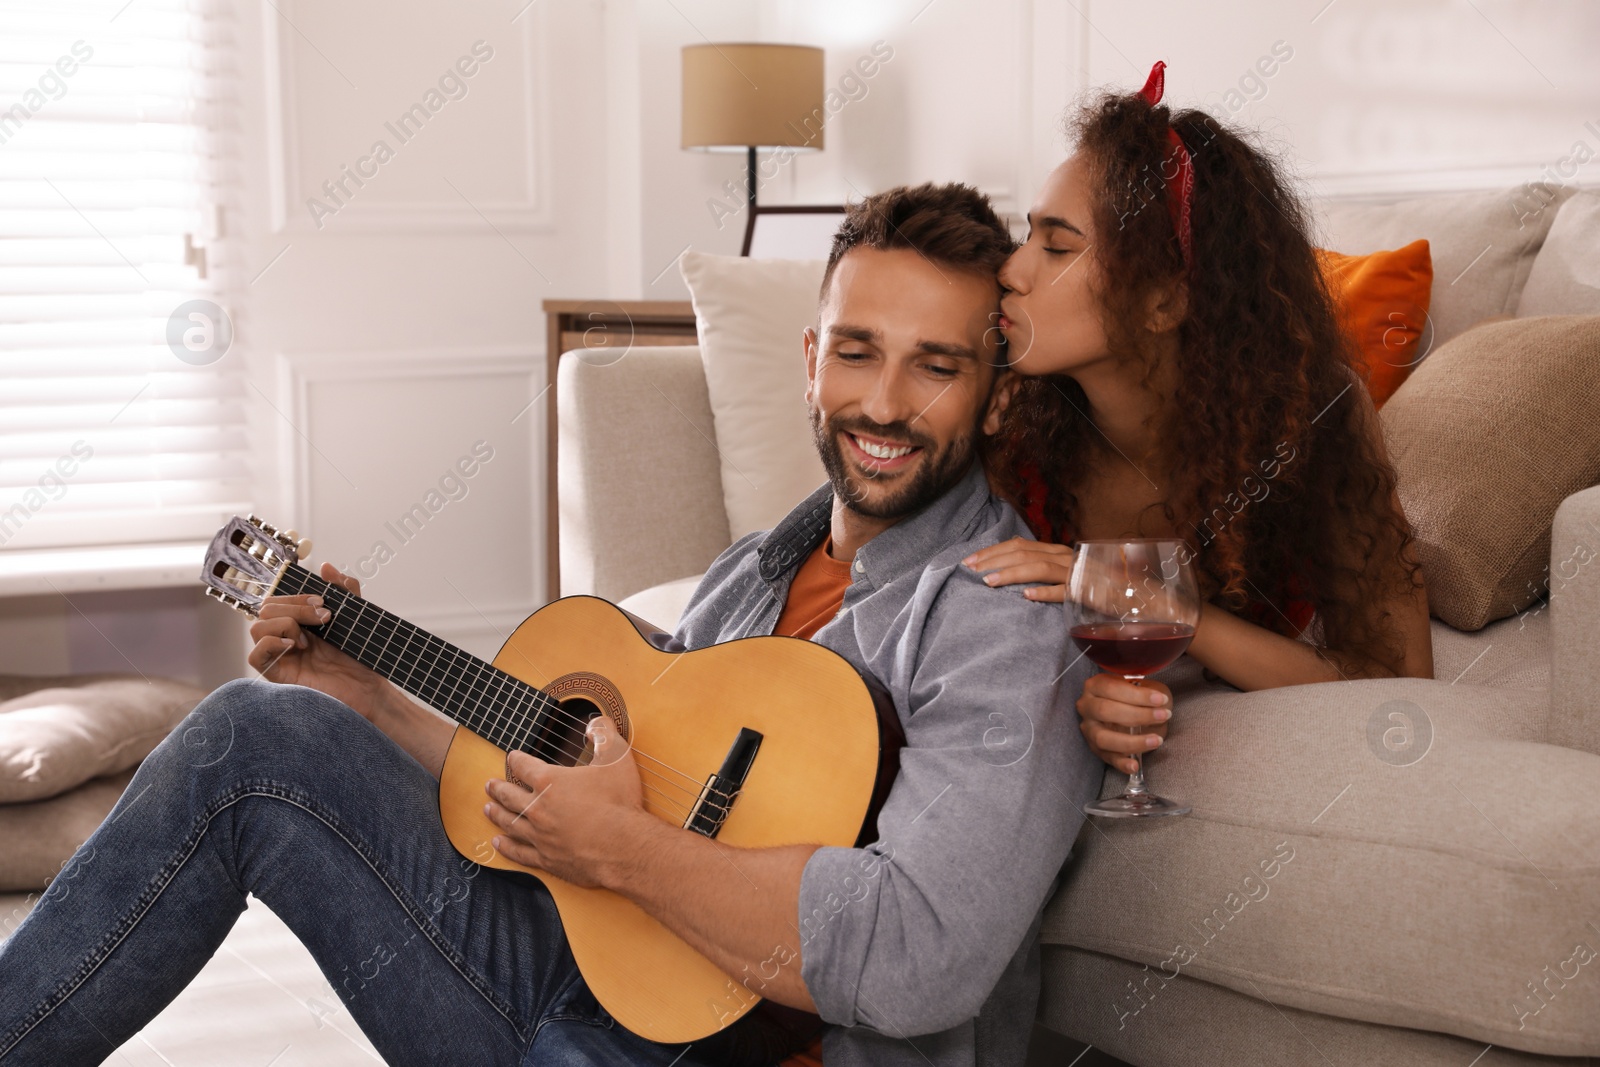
{"x": 662, "y": 604}
{"x": 37, "y": 838}
{"x": 1488, "y": 436}
{"x": 1383, "y": 298}
{"x": 1128, "y": 1011}
{"x": 1565, "y": 279}
{"x": 1483, "y": 245}
{"x": 67, "y": 730}
{"x": 1511, "y": 653}
{"x": 1399, "y": 851}
{"x": 751, "y": 314}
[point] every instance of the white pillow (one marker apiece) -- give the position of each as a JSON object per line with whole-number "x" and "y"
{"x": 663, "y": 604}
{"x": 1565, "y": 279}
{"x": 751, "y": 314}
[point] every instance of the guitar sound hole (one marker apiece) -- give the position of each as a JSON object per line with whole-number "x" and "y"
{"x": 568, "y": 744}
{"x": 582, "y": 696}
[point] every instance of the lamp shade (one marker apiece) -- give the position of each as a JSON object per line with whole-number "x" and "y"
{"x": 737, "y": 96}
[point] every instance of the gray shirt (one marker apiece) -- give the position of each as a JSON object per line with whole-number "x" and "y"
{"x": 920, "y": 948}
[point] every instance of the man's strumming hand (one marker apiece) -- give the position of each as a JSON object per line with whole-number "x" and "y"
{"x": 578, "y": 823}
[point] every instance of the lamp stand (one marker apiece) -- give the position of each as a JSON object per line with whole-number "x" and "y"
{"x": 750, "y": 206}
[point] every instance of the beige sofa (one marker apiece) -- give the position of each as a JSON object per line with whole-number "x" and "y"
{"x": 1375, "y": 872}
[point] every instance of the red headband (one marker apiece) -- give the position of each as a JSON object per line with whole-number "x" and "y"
{"x": 1180, "y": 185}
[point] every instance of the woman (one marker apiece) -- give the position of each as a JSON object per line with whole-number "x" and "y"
{"x": 1183, "y": 375}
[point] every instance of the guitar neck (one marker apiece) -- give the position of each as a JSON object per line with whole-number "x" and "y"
{"x": 497, "y": 707}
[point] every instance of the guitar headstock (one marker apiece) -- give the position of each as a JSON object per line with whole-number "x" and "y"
{"x": 245, "y": 561}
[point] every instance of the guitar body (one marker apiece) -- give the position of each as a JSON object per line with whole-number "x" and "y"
{"x": 810, "y": 781}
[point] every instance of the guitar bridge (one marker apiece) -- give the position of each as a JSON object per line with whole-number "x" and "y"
{"x": 716, "y": 797}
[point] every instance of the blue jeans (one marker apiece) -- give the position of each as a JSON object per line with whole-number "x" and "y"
{"x": 285, "y": 792}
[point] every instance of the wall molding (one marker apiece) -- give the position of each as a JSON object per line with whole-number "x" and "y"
{"x": 532, "y": 212}
{"x": 1057, "y": 34}
{"x": 297, "y": 373}
{"x": 1397, "y": 185}
{"x": 496, "y": 620}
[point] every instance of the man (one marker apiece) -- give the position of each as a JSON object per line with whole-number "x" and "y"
{"x": 917, "y": 947}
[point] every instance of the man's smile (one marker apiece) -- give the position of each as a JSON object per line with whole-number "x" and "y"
{"x": 880, "y": 455}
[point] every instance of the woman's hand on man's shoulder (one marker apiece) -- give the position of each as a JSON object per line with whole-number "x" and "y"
{"x": 1021, "y": 559}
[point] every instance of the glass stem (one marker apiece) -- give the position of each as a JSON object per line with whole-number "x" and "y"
{"x": 1136, "y": 779}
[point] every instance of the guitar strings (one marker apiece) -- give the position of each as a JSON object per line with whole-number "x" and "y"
{"x": 500, "y": 682}
{"x": 339, "y": 598}
{"x": 682, "y": 808}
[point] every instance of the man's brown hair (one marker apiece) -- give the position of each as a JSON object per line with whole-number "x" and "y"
{"x": 952, "y": 225}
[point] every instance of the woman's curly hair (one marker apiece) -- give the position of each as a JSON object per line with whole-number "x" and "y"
{"x": 1276, "y": 480}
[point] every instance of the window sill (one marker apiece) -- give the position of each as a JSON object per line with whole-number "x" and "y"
{"x": 96, "y": 568}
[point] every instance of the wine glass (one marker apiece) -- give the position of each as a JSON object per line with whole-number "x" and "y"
{"x": 1132, "y": 606}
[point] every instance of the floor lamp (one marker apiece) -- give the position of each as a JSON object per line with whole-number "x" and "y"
{"x": 745, "y": 97}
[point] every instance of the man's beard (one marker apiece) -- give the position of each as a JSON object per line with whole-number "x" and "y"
{"x": 935, "y": 473}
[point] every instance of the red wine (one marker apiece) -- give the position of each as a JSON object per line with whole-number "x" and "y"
{"x": 1133, "y": 648}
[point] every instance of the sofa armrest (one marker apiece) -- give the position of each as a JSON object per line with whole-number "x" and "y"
{"x": 640, "y": 486}
{"x": 1575, "y": 622}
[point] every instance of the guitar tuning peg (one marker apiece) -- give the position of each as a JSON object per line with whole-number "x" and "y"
{"x": 301, "y": 545}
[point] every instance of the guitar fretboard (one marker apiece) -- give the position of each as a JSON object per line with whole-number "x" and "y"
{"x": 497, "y": 707}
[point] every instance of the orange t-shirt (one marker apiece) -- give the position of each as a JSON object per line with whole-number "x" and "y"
{"x": 815, "y": 594}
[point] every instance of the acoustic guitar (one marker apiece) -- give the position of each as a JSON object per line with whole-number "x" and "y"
{"x": 757, "y": 742}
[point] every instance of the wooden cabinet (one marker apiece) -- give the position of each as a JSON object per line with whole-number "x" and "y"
{"x": 574, "y": 324}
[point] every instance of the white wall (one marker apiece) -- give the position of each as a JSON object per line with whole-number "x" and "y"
{"x": 950, "y": 104}
{"x": 393, "y": 336}
{"x": 1377, "y": 97}
{"x": 1372, "y": 99}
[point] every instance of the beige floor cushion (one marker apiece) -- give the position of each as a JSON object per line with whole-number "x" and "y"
{"x": 37, "y": 838}
{"x": 1396, "y": 851}
{"x": 58, "y": 732}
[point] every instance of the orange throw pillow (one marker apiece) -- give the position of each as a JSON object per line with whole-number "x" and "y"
{"x": 1383, "y": 297}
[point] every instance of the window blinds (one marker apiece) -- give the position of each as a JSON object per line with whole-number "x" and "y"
{"x": 116, "y": 172}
